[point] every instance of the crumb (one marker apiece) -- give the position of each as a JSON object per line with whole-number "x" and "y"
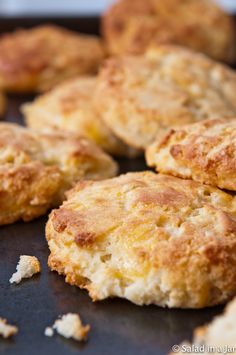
{"x": 69, "y": 326}
{"x": 26, "y": 268}
{"x": 49, "y": 332}
{"x": 7, "y": 330}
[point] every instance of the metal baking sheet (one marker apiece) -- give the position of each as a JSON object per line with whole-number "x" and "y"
{"x": 118, "y": 327}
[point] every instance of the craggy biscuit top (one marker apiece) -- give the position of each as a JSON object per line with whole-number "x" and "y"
{"x": 38, "y": 58}
{"x": 204, "y": 151}
{"x": 139, "y": 97}
{"x": 148, "y": 238}
{"x": 131, "y": 26}
{"x": 37, "y": 168}
{"x": 70, "y": 107}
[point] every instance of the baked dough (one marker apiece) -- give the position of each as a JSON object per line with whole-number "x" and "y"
{"x": 131, "y": 26}
{"x": 204, "y": 151}
{"x": 70, "y": 107}
{"x": 141, "y": 97}
{"x": 37, "y": 168}
{"x": 217, "y": 337}
{"x": 148, "y": 238}
{"x": 36, "y": 59}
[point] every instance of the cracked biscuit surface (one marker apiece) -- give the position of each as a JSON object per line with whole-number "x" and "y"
{"x": 204, "y": 151}
{"x": 37, "y": 168}
{"x": 152, "y": 239}
{"x": 141, "y": 97}
{"x": 70, "y": 107}
{"x": 131, "y": 26}
{"x": 36, "y": 59}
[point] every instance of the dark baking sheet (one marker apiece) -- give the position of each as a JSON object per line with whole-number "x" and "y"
{"x": 117, "y": 326}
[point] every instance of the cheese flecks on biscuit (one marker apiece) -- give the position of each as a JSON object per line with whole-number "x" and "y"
{"x": 26, "y": 268}
{"x": 36, "y": 59}
{"x": 70, "y": 107}
{"x": 37, "y": 168}
{"x": 132, "y": 26}
{"x": 69, "y": 326}
{"x": 141, "y": 97}
{"x": 152, "y": 239}
{"x": 205, "y": 152}
{"x": 7, "y": 330}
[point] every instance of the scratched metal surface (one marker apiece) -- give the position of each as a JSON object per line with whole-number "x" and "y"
{"x": 117, "y": 326}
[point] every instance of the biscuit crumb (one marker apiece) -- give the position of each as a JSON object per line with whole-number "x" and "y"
{"x": 69, "y": 326}
{"x": 7, "y": 330}
{"x": 49, "y": 332}
{"x": 26, "y": 268}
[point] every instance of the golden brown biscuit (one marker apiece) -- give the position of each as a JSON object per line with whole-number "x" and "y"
{"x": 35, "y": 60}
{"x": 204, "y": 151}
{"x": 148, "y": 238}
{"x": 140, "y": 97}
{"x": 70, "y": 107}
{"x": 131, "y": 26}
{"x": 37, "y": 168}
{"x": 217, "y": 337}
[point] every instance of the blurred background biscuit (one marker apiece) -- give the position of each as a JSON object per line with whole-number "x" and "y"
{"x": 70, "y": 107}
{"x": 131, "y": 26}
{"x": 35, "y": 60}
{"x": 141, "y": 97}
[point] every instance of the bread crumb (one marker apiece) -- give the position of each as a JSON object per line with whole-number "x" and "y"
{"x": 26, "y": 268}
{"x": 7, "y": 330}
{"x": 49, "y": 332}
{"x": 69, "y": 326}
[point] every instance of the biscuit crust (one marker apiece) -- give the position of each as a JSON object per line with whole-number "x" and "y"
{"x": 131, "y": 26}
{"x": 37, "y": 168}
{"x": 204, "y": 151}
{"x": 141, "y": 97}
{"x": 35, "y": 60}
{"x": 70, "y": 107}
{"x": 152, "y": 239}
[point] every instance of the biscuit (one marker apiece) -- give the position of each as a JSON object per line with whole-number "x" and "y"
{"x": 7, "y": 330}
{"x": 26, "y": 268}
{"x": 217, "y": 337}
{"x": 69, "y": 326}
{"x": 35, "y": 60}
{"x": 70, "y": 107}
{"x": 141, "y": 97}
{"x": 221, "y": 332}
{"x": 152, "y": 239}
{"x": 204, "y": 151}
{"x": 37, "y": 168}
{"x": 131, "y": 26}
